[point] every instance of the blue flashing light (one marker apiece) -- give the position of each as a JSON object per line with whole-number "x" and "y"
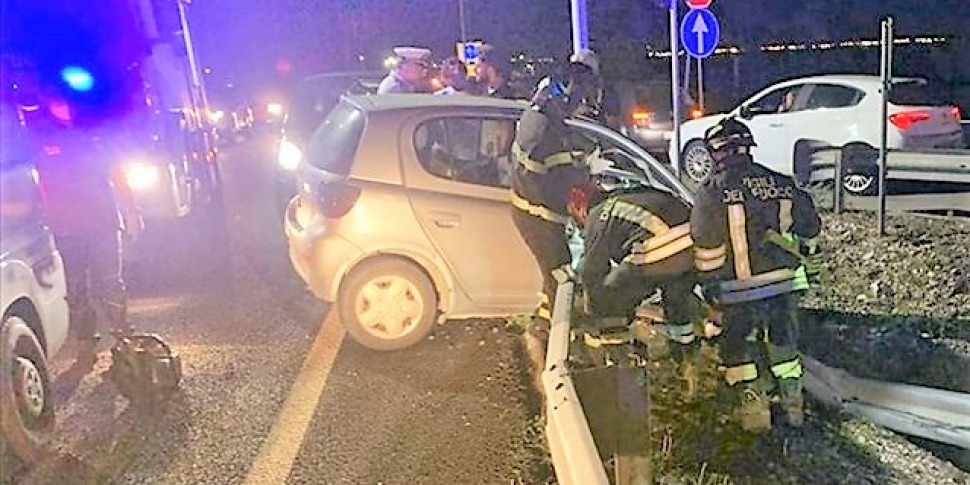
{"x": 471, "y": 52}
{"x": 78, "y": 78}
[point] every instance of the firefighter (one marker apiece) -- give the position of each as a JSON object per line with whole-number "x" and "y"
{"x": 411, "y": 73}
{"x": 90, "y": 209}
{"x": 549, "y": 159}
{"x": 754, "y": 230}
{"x": 637, "y": 241}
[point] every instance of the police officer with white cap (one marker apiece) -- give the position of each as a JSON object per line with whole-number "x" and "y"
{"x": 411, "y": 73}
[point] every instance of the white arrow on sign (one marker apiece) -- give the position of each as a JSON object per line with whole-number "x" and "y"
{"x": 699, "y": 28}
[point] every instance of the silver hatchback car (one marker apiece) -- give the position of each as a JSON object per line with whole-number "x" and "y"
{"x": 403, "y": 216}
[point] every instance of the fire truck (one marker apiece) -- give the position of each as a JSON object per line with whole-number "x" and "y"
{"x": 128, "y": 71}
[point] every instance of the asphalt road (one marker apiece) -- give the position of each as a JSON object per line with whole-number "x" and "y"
{"x": 273, "y": 392}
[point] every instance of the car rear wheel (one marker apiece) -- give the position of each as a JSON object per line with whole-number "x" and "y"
{"x": 26, "y": 401}
{"x": 697, "y": 165}
{"x": 387, "y": 304}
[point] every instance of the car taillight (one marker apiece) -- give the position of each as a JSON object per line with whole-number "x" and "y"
{"x": 336, "y": 199}
{"x": 906, "y": 119}
{"x": 696, "y": 113}
{"x": 955, "y": 112}
{"x": 641, "y": 118}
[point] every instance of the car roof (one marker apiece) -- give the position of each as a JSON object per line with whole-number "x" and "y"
{"x": 864, "y": 80}
{"x": 387, "y": 102}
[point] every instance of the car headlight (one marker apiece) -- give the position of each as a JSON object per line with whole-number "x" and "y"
{"x": 274, "y": 109}
{"x": 289, "y": 155}
{"x": 142, "y": 176}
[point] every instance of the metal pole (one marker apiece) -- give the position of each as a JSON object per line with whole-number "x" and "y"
{"x": 461, "y": 20}
{"x": 579, "y": 25}
{"x": 886, "y": 76}
{"x": 675, "y": 84}
{"x": 194, "y": 72}
{"x": 700, "y": 84}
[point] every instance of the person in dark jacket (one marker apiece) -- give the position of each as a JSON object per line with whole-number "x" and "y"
{"x": 754, "y": 230}
{"x": 637, "y": 240}
{"x": 549, "y": 159}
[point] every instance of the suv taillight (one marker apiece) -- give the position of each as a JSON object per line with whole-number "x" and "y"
{"x": 955, "y": 112}
{"x": 335, "y": 200}
{"x": 906, "y": 119}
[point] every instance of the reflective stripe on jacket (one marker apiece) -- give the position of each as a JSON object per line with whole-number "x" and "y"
{"x": 645, "y": 228}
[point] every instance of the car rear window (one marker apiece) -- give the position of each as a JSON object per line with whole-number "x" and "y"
{"x": 915, "y": 93}
{"x": 334, "y": 143}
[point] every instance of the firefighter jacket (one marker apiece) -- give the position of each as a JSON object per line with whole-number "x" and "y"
{"x": 736, "y": 222}
{"x": 549, "y": 161}
{"x": 644, "y": 229}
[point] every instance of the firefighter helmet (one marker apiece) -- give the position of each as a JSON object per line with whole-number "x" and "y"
{"x": 729, "y": 133}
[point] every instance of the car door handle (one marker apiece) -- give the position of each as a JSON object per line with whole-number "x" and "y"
{"x": 776, "y": 125}
{"x": 446, "y": 220}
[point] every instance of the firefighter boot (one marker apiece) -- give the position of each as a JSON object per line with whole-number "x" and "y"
{"x": 754, "y": 410}
{"x": 791, "y": 402}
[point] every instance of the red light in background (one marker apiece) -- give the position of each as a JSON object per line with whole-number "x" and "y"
{"x": 283, "y": 66}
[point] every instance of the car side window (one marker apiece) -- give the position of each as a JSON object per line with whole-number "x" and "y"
{"x": 833, "y": 96}
{"x": 781, "y": 100}
{"x": 464, "y": 149}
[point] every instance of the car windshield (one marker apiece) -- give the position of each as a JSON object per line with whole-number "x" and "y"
{"x": 334, "y": 143}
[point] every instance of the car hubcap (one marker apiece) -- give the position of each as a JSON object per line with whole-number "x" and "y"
{"x": 389, "y": 307}
{"x": 858, "y": 182}
{"x": 698, "y": 163}
{"x": 30, "y": 387}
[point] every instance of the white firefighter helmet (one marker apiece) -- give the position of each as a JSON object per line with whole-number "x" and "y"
{"x": 588, "y": 58}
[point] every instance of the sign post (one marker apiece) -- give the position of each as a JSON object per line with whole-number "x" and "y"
{"x": 675, "y": 83}
{"x": 886, "y": 72}
{"x": 579, "y": 26}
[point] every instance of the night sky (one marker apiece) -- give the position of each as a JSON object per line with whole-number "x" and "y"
{"x": 243, "y": 40}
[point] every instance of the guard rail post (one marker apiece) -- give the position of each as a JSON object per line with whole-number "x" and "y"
{"x": 838, "y": 194}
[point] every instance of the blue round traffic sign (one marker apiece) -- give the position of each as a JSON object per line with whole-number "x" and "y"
{"x": 700, "y": 33}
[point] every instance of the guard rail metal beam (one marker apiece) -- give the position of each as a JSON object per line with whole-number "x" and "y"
{"x": 935, "y": 414}
{"x": 574, "y": 454}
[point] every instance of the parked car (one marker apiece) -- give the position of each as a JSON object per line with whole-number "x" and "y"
{"x": 403, "y": 216}
{"x": 312, "y": 100}
{"x": 790, "y": 119}
{"x": 33, "y": 304}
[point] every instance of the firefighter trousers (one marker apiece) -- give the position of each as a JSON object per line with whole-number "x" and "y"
{"x": 548, "y": 243}
{"x": 760, "y": 342}
{"x": 96, "y": 293}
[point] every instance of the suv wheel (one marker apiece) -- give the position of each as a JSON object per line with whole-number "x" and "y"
{"x": 26, "y": 402}
{"x": 387, "y": 304}
{"x": 697, "y": 164}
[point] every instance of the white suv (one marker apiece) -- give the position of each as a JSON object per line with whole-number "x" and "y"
{"x": 791, "y": 118}
{"x": 34, "y": 309}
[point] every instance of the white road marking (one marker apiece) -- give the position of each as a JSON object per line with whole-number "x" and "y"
{"x": 275, "y": 460}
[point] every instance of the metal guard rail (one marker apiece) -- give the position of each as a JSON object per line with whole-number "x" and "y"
{"x": 936, "y": 414}
{"x": 574, "y": 454}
